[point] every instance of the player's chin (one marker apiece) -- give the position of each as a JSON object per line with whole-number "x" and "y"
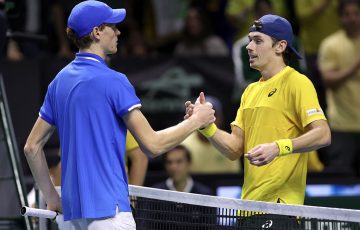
{"x": 253, "y": 65}
{"x": 114, "y": 50}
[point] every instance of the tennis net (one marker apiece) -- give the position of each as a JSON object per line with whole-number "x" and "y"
{"x": 156, "y": 209}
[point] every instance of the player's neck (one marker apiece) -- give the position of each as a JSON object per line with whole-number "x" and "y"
{"x": 95, "y": 50}
{"x": 272, "y": 69}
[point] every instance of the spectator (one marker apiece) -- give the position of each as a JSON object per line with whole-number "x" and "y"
{"x": 177, "y": 165}
{"x": 197, "y": 39}
{"x": 240, "y": 14}
{"x": 317, "y": 19}
{"x": 339, "y": 62}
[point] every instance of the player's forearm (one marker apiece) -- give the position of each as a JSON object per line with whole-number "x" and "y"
{"x": 155, "y": 143}
{"x": 36, "y": 159}
{"x": 315, "y": 138}
{"x": 35, "y": 156}
{"x": 228, "y": 144}
{"x": 167, "y": 139}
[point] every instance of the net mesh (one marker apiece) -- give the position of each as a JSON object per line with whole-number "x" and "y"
{"x": 157, "y": 209}
{"x": 160, "y": 209}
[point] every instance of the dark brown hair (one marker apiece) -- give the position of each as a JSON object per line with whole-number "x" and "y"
{"x": 83, "y": 42}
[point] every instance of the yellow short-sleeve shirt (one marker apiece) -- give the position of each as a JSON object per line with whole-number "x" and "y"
{"x": 280, "y": 107}
{"x": 339, "y": 52}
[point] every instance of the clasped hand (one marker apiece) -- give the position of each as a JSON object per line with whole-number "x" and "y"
{"x": 201, "y": 110}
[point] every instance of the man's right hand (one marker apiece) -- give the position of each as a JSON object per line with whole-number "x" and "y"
{"x": 201, "y": 111}
{"x": 55, "y": 205}
{"x": 189, "y": 107}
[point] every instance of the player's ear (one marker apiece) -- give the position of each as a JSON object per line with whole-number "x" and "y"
{"x": 95, "y": 33}
{"x": 280, "y": 46}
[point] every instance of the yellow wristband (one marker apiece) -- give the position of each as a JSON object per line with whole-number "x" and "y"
{"x": 285, "y": 146}
{"x": 209, "y": 131}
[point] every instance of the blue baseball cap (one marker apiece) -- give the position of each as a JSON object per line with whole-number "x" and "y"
{"x": 89, "y": 14}
{"x": 276, "y": 27}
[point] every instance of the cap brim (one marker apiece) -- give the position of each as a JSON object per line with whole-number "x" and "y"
{"x": 297, "y": 54}
{"x": 117, "y": 16}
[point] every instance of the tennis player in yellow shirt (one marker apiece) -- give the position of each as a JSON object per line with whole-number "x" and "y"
{"x": 278, "y": 122}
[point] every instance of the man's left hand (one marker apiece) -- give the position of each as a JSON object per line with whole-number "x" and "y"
{"x": 262, "y": 154}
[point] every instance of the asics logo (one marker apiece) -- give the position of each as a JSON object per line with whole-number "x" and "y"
{"x": 272, "y": 92}
{"x": 267, "y": 224}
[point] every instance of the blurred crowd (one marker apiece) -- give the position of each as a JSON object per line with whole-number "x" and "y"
{"x": 327, "y": 33}
{"x": 180, "y": 27}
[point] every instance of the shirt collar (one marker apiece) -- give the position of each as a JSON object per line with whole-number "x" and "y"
{"x": 90, "y": 56}
{"x": 189, "y": 184}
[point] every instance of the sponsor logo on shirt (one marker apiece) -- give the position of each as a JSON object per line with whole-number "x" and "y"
{"x": 267, "y": 224}
{"x": 272, "y": 92}
{"x": 314, "y": 111}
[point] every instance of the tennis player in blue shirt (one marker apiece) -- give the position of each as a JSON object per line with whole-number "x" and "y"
{"x": 92, "y": 106}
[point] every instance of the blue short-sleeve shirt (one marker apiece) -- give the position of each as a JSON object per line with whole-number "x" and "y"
{"x": 86, "y": 102}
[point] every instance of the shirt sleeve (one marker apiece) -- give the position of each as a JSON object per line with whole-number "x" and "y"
{"x": 46, "y": 110}
{"x": 306, "y": 102}
{"x": 122, "y": 95}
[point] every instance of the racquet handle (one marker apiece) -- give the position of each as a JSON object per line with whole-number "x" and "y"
{"x": 43, "y": 213}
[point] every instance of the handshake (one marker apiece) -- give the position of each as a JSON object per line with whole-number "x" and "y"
{"x": 203, "y": 113}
